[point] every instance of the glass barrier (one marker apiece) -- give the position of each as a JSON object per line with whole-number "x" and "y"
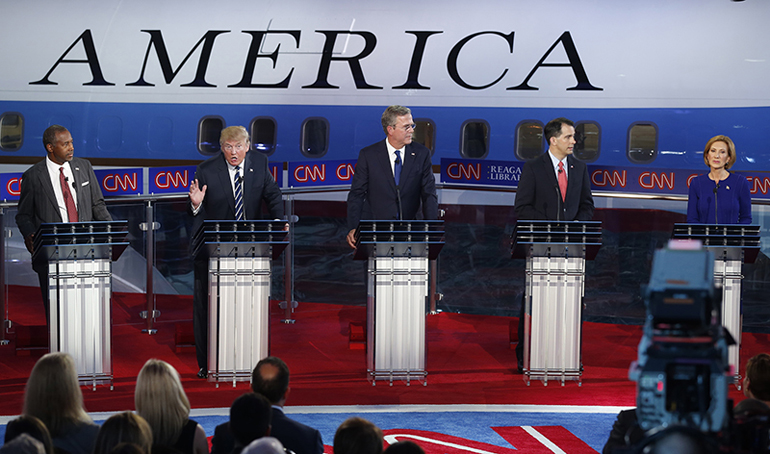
{"x": 476, "y": 273}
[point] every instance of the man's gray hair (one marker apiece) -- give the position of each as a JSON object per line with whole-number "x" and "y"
{"x": 390, "y": 115}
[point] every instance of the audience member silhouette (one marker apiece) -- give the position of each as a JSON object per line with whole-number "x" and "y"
{"x": 126, "y": 427}
{"x": 404, "y": 447}
{"x": 31, "y": 426}
{"x": 23, "y": 444}
{"x": 53, "y": 395}
{"x": 249, "y": 420}
{"x": 264, "y": 445}
{"x": 160, "y": 399}
{"x": 358, "y": 436}
{"x": 270, "y": 378}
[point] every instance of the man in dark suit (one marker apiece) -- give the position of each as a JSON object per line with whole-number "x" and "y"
{"x": 539, "y": 195}
{"x": 250, "y": 419}
{"x": 270, "y": 378}
{"x": 554, "y": 186}
{"x": 229, "y": 186}
{"x": 61, "y": 188}
{"x": 393, "y": 177}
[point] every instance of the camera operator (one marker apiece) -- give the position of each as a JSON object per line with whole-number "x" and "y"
{"x": 627, "y": 433}
{"x": 756, "y": 386}
{"x": 682, "y": 374}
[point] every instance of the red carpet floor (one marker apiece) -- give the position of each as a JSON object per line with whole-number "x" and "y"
{"x": 469, "y": 360}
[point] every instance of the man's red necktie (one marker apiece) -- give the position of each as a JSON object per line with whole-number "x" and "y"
{"x": 72, "y": 211}
{"x": 562, "y": 181}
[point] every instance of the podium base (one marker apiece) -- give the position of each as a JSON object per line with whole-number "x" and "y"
{"x": 94, "y": 380}
{"x": 560, "y": 376}
{"x": 229, "y": 376}
{"x": 399, "y": 375}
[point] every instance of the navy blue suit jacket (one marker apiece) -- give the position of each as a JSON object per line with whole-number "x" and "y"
{"x": 373, "y": 192}
{"x": 538, "y": 196}
{"x": 219, "y": 202}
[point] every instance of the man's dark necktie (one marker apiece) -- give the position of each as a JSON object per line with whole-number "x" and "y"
{"x": 238, "y": 195}
{"x": 397, "y": 167}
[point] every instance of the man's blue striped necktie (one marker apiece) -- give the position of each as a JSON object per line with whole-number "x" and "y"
{"x": 238, "y": 195}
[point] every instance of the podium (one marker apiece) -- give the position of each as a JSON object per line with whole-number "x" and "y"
{"x": 239, "y": 254}
{"x": 398, "y": 254}
{"x": 79, "y": 258}
{"x": 555, "y": 252}
{"x": 732, "y": 245}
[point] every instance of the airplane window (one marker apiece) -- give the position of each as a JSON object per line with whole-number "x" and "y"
{"x": 475, "y": 139}
{"x": 425, "y": 133}
{"x": 263, "y": 135}
{"x": 587, "y": 141}
{"x": 109, "y": 134}
{"x": 315, "y": 137}
{"x": 642, "y": 142}
{"x": 529, "y": 140}
{"x": 209, "y": 129}
{"x": 11, "y": 131}
{"x": 160, "y": 135}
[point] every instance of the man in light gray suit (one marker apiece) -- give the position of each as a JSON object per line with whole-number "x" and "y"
{"x": 61, "y": 188}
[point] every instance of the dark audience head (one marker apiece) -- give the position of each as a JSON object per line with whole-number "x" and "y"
{"x": 358, "y": 436}
{"x": 23, "y": 444}
{"x": 31, "y": 426}
{"x": 126, "y": 427}
{"x": 53, "y": 395}
{"x": 126, "y": 448}
{"x": 271, "y": 379}
{"x": 404, "y": 447}
{"x": 250, "y": 418}
{"x": 264, "y": 445}
{"x": 553, "y": 128}
{"x": 757, "y": 381}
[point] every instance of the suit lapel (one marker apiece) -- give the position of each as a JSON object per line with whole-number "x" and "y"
{"x": 223, "y": 174}
{"x": 383, "y": 159}
{"x": 408, "y": 164}
{"x": 44, "y": 181}
{"x": 248, "y": 182}
{"x": 548, "y": 169}
{"x": 77, "y": 180}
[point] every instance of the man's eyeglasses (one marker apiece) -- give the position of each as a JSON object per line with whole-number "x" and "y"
{"x": 405, "y": 127}
{"x": 239, "y": 146}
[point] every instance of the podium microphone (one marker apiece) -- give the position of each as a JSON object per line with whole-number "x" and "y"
{"x": 716, "y": 205}
{"x": 558, "y": 200}
{"x": 398, "y": 200}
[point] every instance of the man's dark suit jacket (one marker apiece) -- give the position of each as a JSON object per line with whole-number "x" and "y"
{"x": 293, "y": 436}
{"x": 373, "y": 192}
{"x": 37, "y": 202}
{"x": 538, "y": 196}
{"x": 219, "y": 204}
